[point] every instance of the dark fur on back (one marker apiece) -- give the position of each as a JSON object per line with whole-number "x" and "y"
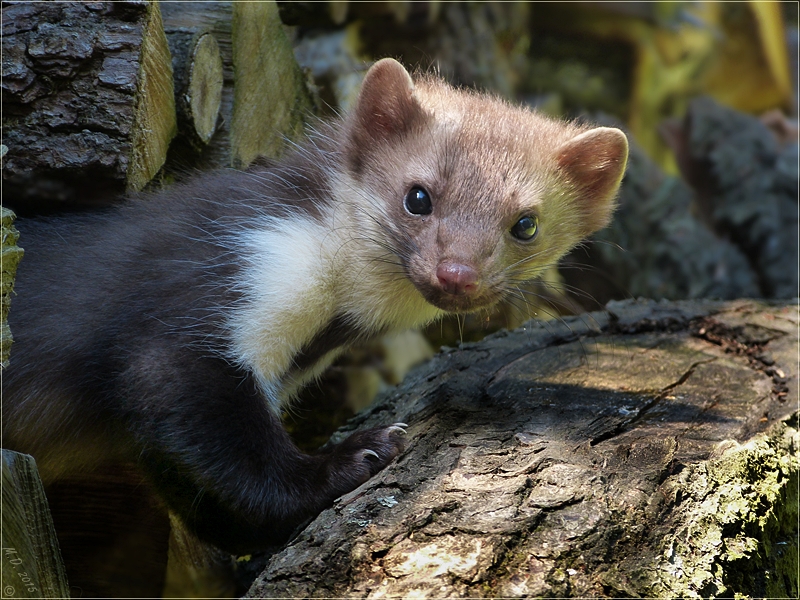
{"x": 121, "y": 355}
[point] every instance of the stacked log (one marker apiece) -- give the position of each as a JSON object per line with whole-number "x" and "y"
{"x": 88, "y": 107}
{"x": 646, "y": 451}
{"x": 263, "y": 97}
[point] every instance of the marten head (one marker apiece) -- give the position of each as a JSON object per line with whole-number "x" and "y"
{"x": 473, "y": 194}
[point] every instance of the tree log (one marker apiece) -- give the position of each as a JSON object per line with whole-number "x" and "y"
{"x": 270, "y": 98}
{"x": 31, "y": 561}
{"x": 650, "y": 450}
{"x": 192, "y": 19}
{"x": 197, "y": 67}
{"x": 88, "y": 106}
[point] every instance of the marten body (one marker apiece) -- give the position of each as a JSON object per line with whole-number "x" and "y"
{"x": 170, "y": 331}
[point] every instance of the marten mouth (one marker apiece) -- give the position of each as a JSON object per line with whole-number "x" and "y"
{"x": 460, "y": 303}
{"x": 449, "y": 290}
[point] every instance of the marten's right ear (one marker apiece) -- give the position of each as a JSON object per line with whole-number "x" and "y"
{"x": 594, "y": 162}
{"x": 386, "y": 108}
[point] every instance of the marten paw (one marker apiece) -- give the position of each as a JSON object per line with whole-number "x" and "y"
{"x": 364, "y": 454}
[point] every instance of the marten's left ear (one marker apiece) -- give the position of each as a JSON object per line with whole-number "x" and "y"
{"x": 594, "y": 162}
{"x": 386, "y": 107}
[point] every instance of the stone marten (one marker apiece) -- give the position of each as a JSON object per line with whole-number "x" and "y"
{"x": 170, "y": 330}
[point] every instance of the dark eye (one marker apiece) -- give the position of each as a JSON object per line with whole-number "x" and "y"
{"x": 525, "y": 229}
{"x": 418, "y": 202}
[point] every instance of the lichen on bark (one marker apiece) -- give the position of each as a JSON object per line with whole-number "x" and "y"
{"x": 735, "y": 530}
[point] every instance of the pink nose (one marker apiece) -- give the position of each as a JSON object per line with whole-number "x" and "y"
{"x": 457, "y": 279}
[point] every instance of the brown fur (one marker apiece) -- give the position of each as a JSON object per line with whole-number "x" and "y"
{"x": 485, "y": 163}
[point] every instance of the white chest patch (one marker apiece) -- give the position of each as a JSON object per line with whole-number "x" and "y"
{"x": 286, "y": 298}
{"x": 299, "y": 274}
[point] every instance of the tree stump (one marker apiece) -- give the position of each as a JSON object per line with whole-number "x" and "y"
{"x": 650, "y": 450}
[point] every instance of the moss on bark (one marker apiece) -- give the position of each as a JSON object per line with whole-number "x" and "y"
{"x": 9, "y": 259}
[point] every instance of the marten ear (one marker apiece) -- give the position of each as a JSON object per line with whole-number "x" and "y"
{"x": 594, "y": 163}
{"x": 386, "y": 107}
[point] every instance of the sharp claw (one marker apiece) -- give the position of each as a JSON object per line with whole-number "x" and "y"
{"x": 399, "y": 425}
{"x": 398, "y": 429}
{"x": 367, "y": 452}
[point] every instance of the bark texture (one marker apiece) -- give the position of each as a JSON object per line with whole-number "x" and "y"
{"x": 650, "y": 450}
{"x": 89, "y": 102}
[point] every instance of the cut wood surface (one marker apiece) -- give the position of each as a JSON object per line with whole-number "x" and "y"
{"x": 650, "y": 450}
{"x": 271, "y": 100}
{"x": 192, "y": 19}
{"x": 264, "y": 97}
{"x": 31, "y": 561}
{"x": 154, "y": 123}
{"x": 197, "y": 66}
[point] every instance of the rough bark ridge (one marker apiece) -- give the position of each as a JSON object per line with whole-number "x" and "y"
{"x": 646, "y": 451}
